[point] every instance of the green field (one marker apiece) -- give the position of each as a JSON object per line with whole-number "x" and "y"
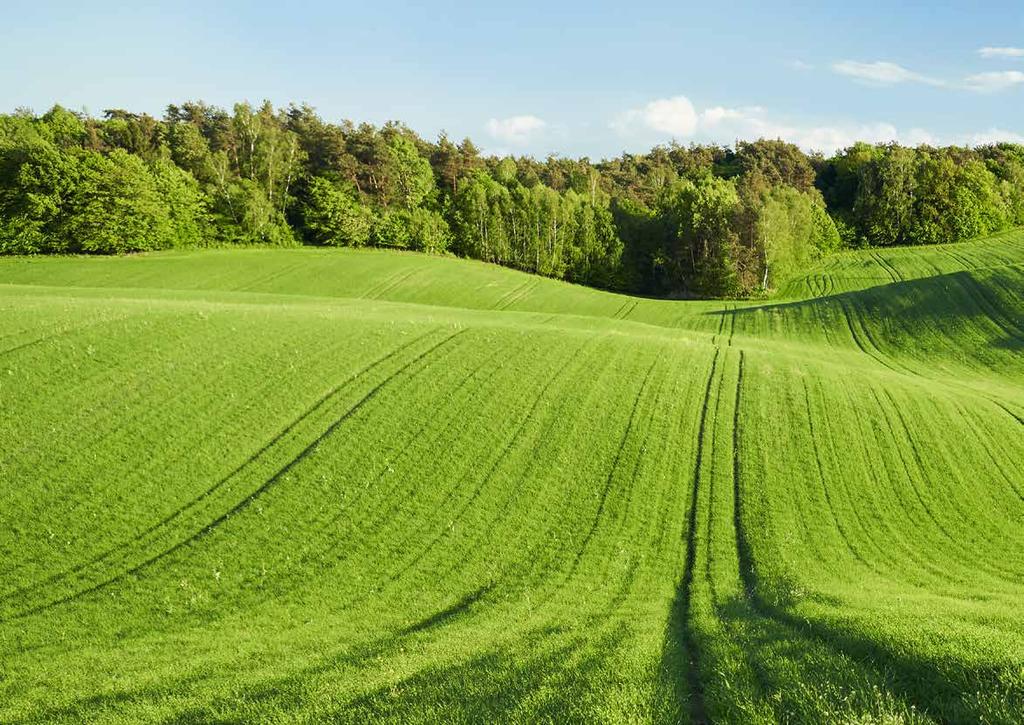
{"x": 354, "y": 485}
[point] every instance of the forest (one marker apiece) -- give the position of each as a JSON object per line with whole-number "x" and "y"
{"x": 678, "y": 221}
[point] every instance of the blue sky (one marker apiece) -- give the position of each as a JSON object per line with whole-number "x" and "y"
{"x": 574, "y": 78}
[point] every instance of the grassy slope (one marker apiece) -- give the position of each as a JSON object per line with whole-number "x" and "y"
{"x": 355, "y": 484}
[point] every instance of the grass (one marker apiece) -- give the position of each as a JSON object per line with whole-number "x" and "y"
{"x": 308, "y": 485}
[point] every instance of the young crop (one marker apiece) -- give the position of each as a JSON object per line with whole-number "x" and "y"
{"x": 357, "y": 485}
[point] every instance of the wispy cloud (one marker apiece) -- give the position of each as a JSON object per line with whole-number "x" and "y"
{"x": 884, "y": 73}
{"x": 881, "y": 72}
{"x": 798, "y": 64}
{"x": 1000, "y": 52}
{"x": 517, "y": 130}
{"x": 994, "y": 81}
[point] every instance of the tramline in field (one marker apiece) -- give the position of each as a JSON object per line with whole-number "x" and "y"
{"x": 279, "y": 485}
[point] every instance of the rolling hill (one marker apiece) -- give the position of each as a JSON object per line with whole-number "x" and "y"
{"x": 356, "y": 485}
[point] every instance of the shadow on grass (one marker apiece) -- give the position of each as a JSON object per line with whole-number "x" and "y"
{"x": 543, "y": 676}
{"x": 487, "y": 688}
{"x": 449, "y": 613}
{"x": 678, "y": 677}
{"x": 891, "y": 314}
{"x": 948, "y": 690}
{"x": 85, "y": 709}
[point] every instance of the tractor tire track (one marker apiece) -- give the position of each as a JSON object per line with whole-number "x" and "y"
{"x": 708, "y": 573}
{"x": 721, "y": 326}
{"x": 746, "y": 561}
{"x": 698, "y": 708}
{"x": 957, "y": 542}
{"x": 619, "y": 309}
{"x": 883, "y": 553}
{"x": 548, "y": 594}
{"x": 501, "y": 457}
{"x": 627, "y": 493}
{"x": 320, "y": 527}
{"x": 824, "y": 482}
{"x": 951, "y": 503}
{"x": 911, "y": 479}
{"x": 516, "y": 492}
{"x": 974, "y": 422}
{"x": 65, "y": 332}
{"x": 1015, "y": 416}
{"x": 1011, "y": 327}
{"x": 869, "y": 349}
{"x": 626, "y": 310}
{"x": 193, "y": 503}
{"x": 870, "y": 442}
{"x": 878, "y": 261}
{"x": 400, "y": 280}
{"x": 881, "y": 356}
{"x": 796, "y": 626}
{"x": 961, "y": 260}
{"x": 269, "y": 277}
{"x": 885, "y": 268}
{"x": 512, "y": 295}
{"x": 647, "y": 448}
{"x": 386, "y": 284}
{"x": 853, "y": 330}
{"x": 603, "y": 500}
{"x": 389, "y": 495}
{"x": 249, "y": 499}
{"x": 372, "y": 289}
{"x": 518, "y": 294}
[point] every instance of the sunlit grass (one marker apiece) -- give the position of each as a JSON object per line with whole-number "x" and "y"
{"x": 356, "y": 485}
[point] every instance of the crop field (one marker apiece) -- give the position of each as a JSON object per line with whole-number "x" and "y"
{"x": 358, "y": 486}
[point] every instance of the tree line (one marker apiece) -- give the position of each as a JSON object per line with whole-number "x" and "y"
{"x": 677, "y": 221}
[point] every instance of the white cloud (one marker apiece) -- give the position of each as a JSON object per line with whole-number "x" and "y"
{"x": 717, "y": 115}
{"x": 882, "y": 72}
{"x": 754, "y": 122}
{"x": 515, "y": 130}
{"x": 722, "y": 124}
{"x": 1000, "y": 52}
{"x": 918, "y": 137}
{"x": 993, "y": 135}
{"x": 994, "y": 81}
{"x": 674, "y": 116}
{"x": 800, "y": 65}
{"x": 677, "y": 118}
